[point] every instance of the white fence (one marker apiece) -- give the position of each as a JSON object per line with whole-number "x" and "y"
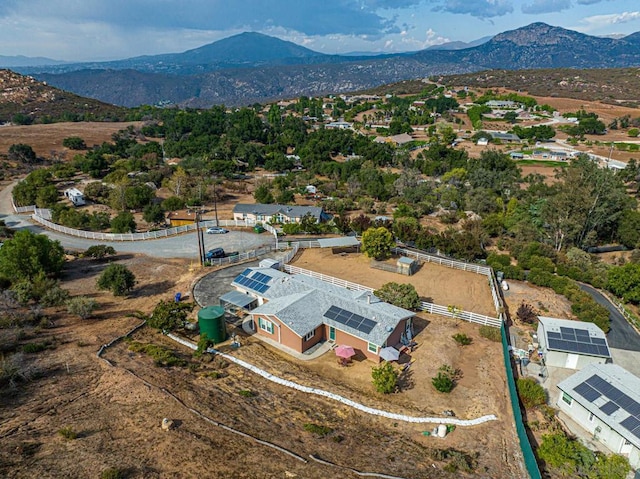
{"x": 424, "y": 306}
{"x": 94, "y": 235}
{"x": 474, "y": 268}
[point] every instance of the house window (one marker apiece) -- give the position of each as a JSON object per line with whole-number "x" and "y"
{"x": 309, "y": 335}
{"x": 566, "y": 398}
{"x": 372, "y": 348}
{"x": 591, "y": 416}
{"x": 265, "y": 325}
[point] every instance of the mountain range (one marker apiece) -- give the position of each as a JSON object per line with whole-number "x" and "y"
{"x": 253, "y": 67}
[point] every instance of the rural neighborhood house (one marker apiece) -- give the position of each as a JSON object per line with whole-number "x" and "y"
{"x": 604, "y": 399}
{"x": 276, "y": 213}
{"x": 298, "y": 311}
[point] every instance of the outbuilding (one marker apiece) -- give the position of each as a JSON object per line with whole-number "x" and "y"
{"x": 571, "y": 344}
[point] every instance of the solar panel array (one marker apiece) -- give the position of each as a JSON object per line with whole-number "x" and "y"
{"x": 595, "y": 386}
{"x": 258, "y": 282}
{"x": 353, "y": 320}
{"x": 574, "y": 340}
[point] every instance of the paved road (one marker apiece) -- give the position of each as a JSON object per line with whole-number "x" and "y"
{"x": 181, "y": 246}
{"x": 621, "y": 335}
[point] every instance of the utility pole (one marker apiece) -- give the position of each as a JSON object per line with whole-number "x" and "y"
{"x": 200, "y": 239}
{"x": 215, "y": 199}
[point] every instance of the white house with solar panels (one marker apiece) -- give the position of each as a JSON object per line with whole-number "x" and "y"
{"x": 271, "y": 213}
{"x": 298, "y": 311}
{"x": 571, "y": 344}
{"x": 604, "y": 399}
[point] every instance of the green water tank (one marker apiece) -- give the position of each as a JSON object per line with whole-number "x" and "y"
{"x": 212, "y": 323}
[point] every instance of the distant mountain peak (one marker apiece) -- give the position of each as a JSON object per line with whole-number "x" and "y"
{"x": 537, "y": 33}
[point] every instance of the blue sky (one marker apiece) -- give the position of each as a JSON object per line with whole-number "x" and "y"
{"x": 79, "y": 30}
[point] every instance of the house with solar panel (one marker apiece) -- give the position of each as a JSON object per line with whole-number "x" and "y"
{"x": 299, "y": 311}
{"x": 604, "y": 400}
{"x": 571, "y": 344}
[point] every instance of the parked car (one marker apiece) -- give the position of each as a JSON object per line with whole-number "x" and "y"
{"x": 215, "y": 230}
{"x": 215, "y": 253}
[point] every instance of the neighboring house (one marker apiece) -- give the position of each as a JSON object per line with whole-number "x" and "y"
{"x": 505, "y": 137}
{"x": 276, "y": 213}
{"x": 76, "y": 196}
{"x": 340, "y": 125}
{"x": 571, "y": 344}
{"x": 401, "y": 139}
{"x": 482, "y": 141}
{"x": 298, "y": 311}
{"x": 181, "y": 218}
{"x": 604, "y": 399}
{"x": 502, "y": 104}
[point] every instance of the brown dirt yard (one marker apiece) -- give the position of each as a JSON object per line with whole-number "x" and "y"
{"x": 45, "y": 138}
{"x": 117, "y": 410}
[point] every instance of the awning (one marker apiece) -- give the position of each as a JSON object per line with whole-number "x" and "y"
{"x": 237, "y": 298}
{"x": 341, "y": 242}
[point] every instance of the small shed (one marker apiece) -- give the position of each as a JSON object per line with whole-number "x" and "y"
{"x": 571, "y": 344}
{"x": 407, "y": 266}
{"x": 181, "y": 218}
{"x": 270, "y": 263}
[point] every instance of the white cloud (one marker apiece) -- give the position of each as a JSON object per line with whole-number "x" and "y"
{"x": 596, "y": 22}
{"x": 546, "y": 6}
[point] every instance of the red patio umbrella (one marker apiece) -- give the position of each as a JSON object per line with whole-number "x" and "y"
{"x": 344, "y": 351}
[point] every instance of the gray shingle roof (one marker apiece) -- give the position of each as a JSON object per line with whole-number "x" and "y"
{"x": 290, "y": 211}
{"x": 617, "y": 377}
{"x": 301, "y": 301}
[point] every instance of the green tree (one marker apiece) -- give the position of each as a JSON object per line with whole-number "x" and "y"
{"x": 623, "y": 281}
{"x": 401, "y": 295}
{"x": 168, "y": 315}
{"x": 385, "y": 378}
{"x": 74, "y": 143}
{"x": 117, "y": 278}
{"x": 26, "y": 255}
{"x": 22, "y": 153}
{"x": 629, "y": 229}
{"x": 81, "y": 306}
{"x": 263, "y": 194}
{"x": 123, "y": 223}
{"x": 153, "y": 213}
{"x": 612, "y": 466}
{"x": 377, "y": 243}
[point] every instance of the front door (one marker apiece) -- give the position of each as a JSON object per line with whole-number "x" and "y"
{"x": 572, "y": 361}
{"x": 332, "y": 333}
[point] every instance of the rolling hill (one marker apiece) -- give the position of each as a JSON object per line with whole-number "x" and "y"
{"x": 252, "y": 67}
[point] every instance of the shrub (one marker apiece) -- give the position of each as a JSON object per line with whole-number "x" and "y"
{"x": 442, "y": 382}
{"x": 526, "y": 314}
{"x": 74, "y": 143}
{"x": 385, "y": 378}
{"x": 32, "y": 348}
{"x": 530, "y": 392}
{"x": 112, "y": 473}
{"x": 247, "y": 393}
{"x": 117, "y": 278}
{"x": 99, "y": 251}
{"x": 317, "y": 429}
{"x": 161, "y": 356}
{"x": 446, "y": 378}
{"x": 68, "y": 433}
{"x": 462, "y": 339}
{"x": 81, "y": 306}
{"x": 490, "y": 333}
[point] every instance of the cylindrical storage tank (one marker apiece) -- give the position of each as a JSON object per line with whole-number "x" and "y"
{"x": 442, "y": 430}
{"x": 212, "y": 323}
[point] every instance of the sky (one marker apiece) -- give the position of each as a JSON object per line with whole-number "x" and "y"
{"x": 94, "y": 30}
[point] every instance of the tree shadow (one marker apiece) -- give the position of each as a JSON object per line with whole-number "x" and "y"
{"x": 152, "y": 289}
{"x": 406, "y": 380}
